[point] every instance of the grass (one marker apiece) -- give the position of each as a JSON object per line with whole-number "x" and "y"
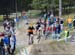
{"x": 33, "y": 13}
{"x": 1, "y": 17}
{"x": 68, "y": 15}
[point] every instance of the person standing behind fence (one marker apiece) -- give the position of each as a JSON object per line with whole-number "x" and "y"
{"x": 62, "y": 24}
{"x": 2, "y": 49}
{"x": 58, "y": 20}
{"x": 13, "y": 24}
{"x": 44, "y": 31}
{"x": 47, "y": 33}
{"x": 14, "y": 37}
{"x": 49, "y": 21}
{"x": 74, "y": 22}
{"x": 59, "y": 28}
{"x": 4, "y": 24}
{"x": 17, "y": 21}
{"x": 6, "y": 43}
{"x": 45, "y": 16}
{"x": 54, "y": 19}
{"x": 69, "y": 20}
{"x": 66, "y": 34}
{"x": 12, "y": 43}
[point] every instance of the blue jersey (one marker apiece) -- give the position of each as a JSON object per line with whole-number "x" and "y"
{"x": 24, "y": 17}
{"x": 54, "y": 19}
{"x": 49, "y": 19}
{"x": 45, "y": 16}
{"x": 6, "y": 40}
{"x": 17, "y": 19}
{"x": 14, "y": 37}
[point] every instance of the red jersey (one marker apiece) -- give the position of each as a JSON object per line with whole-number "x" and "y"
{"x": 54, "y": 28}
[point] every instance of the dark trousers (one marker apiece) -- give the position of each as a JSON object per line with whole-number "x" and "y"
{"x": 2, "y": 51}
{"x": 8, "y": 50}
{"x": 13, "y": 50}
{"x": 30, "y": 41}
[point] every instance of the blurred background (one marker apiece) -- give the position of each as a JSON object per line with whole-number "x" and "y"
{"x": 36, "y": 8}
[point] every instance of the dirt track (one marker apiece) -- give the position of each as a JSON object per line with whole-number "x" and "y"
{"x": 43, "y": 49}
{"x": 54, "y": 48}
{"x": 21, "y": 33}
{"x": 57, "y": 48}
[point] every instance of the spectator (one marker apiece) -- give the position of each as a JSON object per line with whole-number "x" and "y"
{"x": 55, "y": 19}
{"x": 66, "y": 34}
{"x": 9, "y": 46}
{"x": 51, "y": 16}
{"x": 47, "y": 33}
{"x": 74, "y": 22}
{"x": 69, "y": 20}
{"x": 54, "y": 28}
{"x": 62, "y": 24}
{"x": 13, "y": 23}
{"x": 7, "y": 43}
{"x": 49, "y": 21}
{"x": 44, "y": 31}
{"x": 6, "y": 23}
{"x": 12, "y": 44}
{"x": 58, "y": 20}
{"x": 59, "y": 28}
{"x": 2, "y": 49}
{"x": 6, "y": 40}
{"x": 17, "y": 21}
{"x": 45, "y": 16}
{"x": 56, "y": 25}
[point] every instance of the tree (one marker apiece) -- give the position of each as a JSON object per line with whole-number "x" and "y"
{"x": 40, "y": 4}
{"x": 7, "y": 6}
{"x": 24, "y": 4}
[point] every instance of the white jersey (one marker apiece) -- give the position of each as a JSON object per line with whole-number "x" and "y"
{"x": 62, "y": 26}
{"x": 40, "y": 28}
{"x": 51, "y": 15}
{"x": 15, "y": 20}
{"x": 12, "y": 42}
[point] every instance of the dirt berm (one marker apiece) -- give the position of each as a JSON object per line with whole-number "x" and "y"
{"x": 52, "y": 48}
